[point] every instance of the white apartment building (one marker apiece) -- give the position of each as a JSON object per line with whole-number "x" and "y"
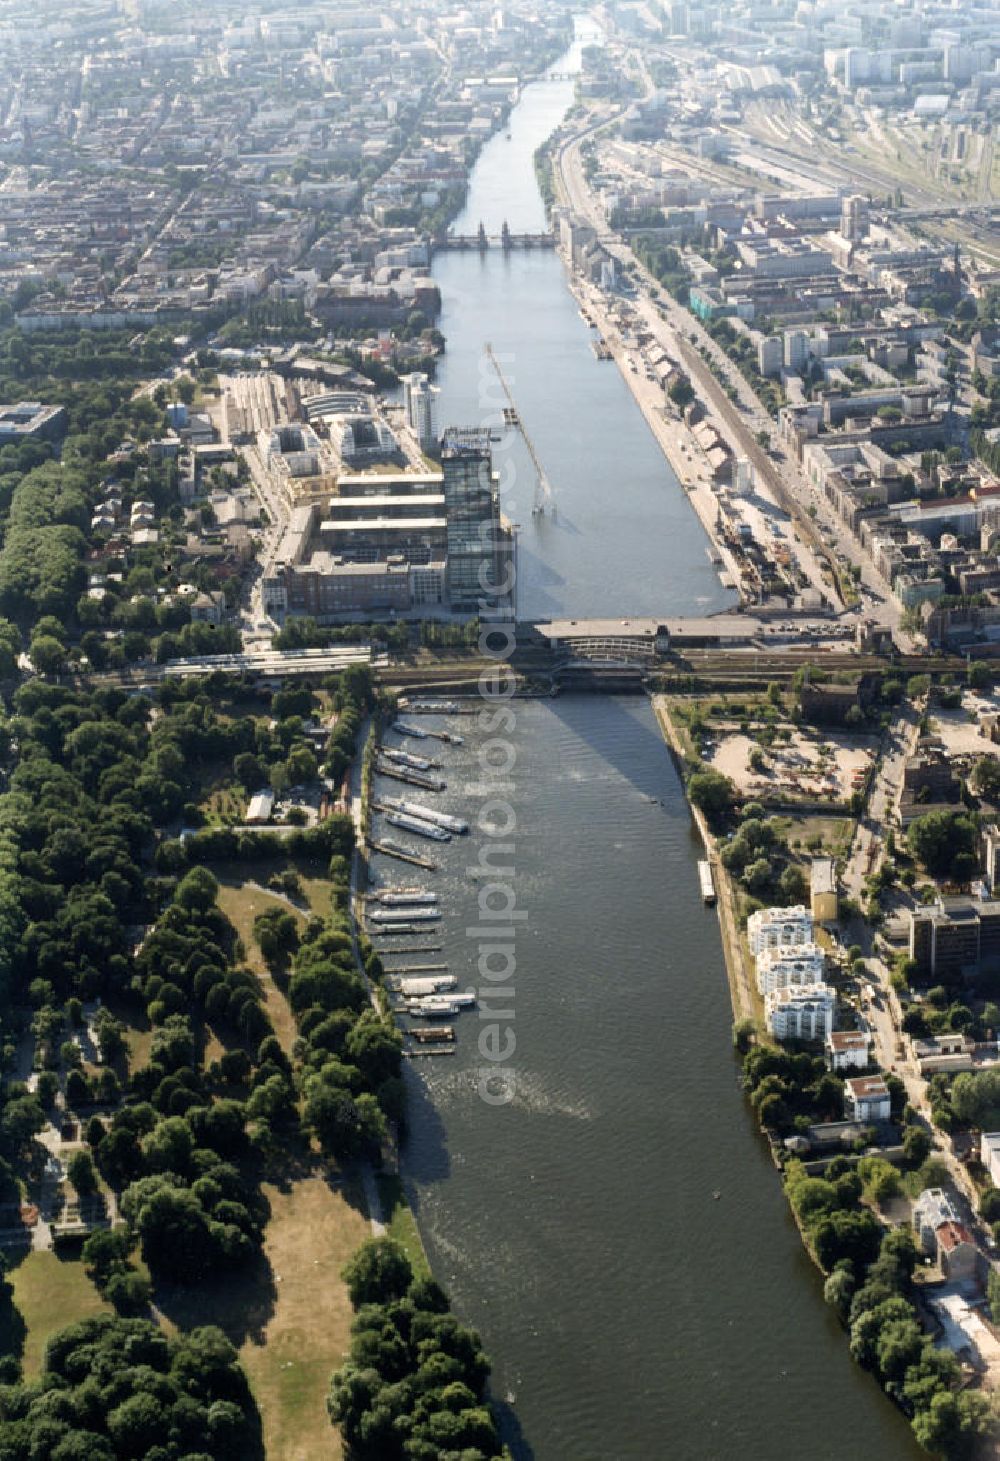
{"x": 420, "y": 404}
{"x": 773, "y": 928}
{"x": 848, "y": 1049}
{"x": 801, "y": 1012}
{"x": 866, "y": 1098}
{"x": 778, "y": 968}
{"x": 989, "y": 1154}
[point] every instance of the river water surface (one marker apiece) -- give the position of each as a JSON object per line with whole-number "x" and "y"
{"x": 629, "y": 1313}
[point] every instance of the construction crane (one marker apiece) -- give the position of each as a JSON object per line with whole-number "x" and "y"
{"x": 543, "y": 487}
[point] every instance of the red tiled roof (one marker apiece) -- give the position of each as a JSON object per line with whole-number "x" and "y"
{"x": 868, "y": 1085}
{"x": 950, "y": 1235}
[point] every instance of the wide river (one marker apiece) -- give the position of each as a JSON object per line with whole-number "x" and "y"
{"x": 629, "y": 1311}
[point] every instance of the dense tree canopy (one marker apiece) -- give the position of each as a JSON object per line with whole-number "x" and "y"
{"x": 941, "y": 840}
{"x": 413, "y": 1384}
{"x": 120, "y": 1388}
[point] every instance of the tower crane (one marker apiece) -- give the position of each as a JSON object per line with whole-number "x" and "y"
{"x": 543, "y": 487}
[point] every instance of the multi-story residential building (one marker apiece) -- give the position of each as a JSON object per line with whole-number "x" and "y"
{"x": 848, "y": 1049}
{"x": 419, "y": 403}
{"x": 989, "y": 1154}
{"x": 796, "y": 348}
{"x": 866, "y": 1098}
{"x": 778, "y": 968}
{"x": 801, "y": 1013}
{"x": 771, "y": 928}
{"x": 954, "y": 937}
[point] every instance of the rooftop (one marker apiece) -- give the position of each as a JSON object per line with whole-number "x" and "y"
{"x": 822, "y": 875}
{"x": 870, "y": 1087}
{"x": 849, "y": 1040}
{"x": 951, "y": 1234}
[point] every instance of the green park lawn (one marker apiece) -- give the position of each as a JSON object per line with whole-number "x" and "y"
{"x": 50, "y": 1293}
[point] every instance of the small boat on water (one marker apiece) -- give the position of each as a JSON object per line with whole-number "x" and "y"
{"x": 440, "y": 1006}
{"x": 404, "y": 897}
{"x": 423, "y": 988}
{"x": 421, "y": 828}
{"x": 393, "y": 916}
{"x": 707, "y": 882}
{"x": 428, "y": 814}
{"x": 432, "y": 707}
{"x": 404, "y": 758}
{"x": 403, "y": 728}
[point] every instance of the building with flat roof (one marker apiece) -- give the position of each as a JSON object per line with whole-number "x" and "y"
{"x": 943, "y": 1054}
{"x": 771, "y": 928}
{"x": 866, "y": 1098}
{"x": 801, "y": 1012}
{"x": 848, "y": 1049}
{"x": 777, "y": 968}
{"x": 823, "y": 890}
{"x": 989, "y": 1154}
{"x": 30, "y": 420}
{"x": 397, "y": 543}
{"x": 480, "y": 545}
{"x": 420, "y": 406}
{"x": 954, "y": 937}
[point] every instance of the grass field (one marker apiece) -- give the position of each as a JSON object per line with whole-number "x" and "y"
{"x": 241, "y": 905}
{"x": 312, "y": 1233}
{"x": 401, "y": 1223}
{"x": 49, "y": 1294}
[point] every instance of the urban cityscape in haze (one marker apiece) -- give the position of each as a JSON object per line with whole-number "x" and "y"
{"x": 499, "y": 730}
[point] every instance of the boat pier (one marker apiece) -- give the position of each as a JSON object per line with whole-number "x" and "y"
{"x": 391, "y": 849}
{"x": 417, "y": 969}
{"x": 411, "y": 778}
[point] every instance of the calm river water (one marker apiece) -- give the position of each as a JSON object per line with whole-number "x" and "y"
{"x": 628, "y": 1312}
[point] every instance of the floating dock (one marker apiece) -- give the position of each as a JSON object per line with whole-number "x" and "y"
{"x": 435, "y": 707}
{"x": 411, "y": 778}
{"x": 707, "y": 883}
{"x": 422, "y": 779}
{"x": 393, "y": 849}
{"x": 394, "y": 931}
